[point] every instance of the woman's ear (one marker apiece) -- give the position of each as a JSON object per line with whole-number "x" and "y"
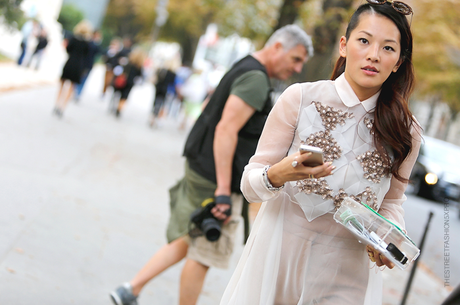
{"x": 395, "y": 68}
{"x": 343, "y": 47}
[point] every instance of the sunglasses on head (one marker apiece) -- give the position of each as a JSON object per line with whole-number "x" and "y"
{"x": 399, "y": 6}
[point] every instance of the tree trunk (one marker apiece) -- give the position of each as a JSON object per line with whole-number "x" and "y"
{"x": 449, "y": 123}
{"x": 429, "y": 121}
{"x": 288, "y": 13}
{"x": 325, "y": 37}
{"x": 189, "y": 45}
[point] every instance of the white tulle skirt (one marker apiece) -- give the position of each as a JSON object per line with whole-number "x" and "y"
{"x": 289, "y": 260}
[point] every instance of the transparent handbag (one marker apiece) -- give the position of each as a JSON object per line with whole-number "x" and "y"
{"x": 373, "y": 229}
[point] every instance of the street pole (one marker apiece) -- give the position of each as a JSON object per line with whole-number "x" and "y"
{"x": 414, "y": 267}
{"x": 162, "y": 17}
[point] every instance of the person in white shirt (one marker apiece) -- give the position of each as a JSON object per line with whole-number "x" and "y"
{"x": 297, "y": 253}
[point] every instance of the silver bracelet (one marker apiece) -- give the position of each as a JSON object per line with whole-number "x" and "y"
{"x": 267, "y": 182}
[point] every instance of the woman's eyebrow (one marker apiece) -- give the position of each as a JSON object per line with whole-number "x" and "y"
{"x": 386, "y": 40}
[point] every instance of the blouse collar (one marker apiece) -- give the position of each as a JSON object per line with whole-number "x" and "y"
{"x": 348, "y": 96}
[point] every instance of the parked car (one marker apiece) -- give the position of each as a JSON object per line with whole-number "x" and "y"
{"x": 436, "y": 174}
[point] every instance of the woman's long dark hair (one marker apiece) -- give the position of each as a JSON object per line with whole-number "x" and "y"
{"x": 392, "y": 118}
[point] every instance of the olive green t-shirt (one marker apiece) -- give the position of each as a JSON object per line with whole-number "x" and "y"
{"x": 252, "y": 87}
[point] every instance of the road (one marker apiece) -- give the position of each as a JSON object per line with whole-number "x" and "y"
{"x": 86, "y": 198}
{"x": 445, "y": 226}
{"x": 84, "y": 203}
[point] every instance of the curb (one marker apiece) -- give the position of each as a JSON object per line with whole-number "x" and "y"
{"x": 14, "y": 77}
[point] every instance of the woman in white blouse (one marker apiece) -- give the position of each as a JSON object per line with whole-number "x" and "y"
{"x": 297, "y": 253}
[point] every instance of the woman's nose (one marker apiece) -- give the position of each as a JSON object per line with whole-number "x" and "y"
{"x": 373, "y": 53}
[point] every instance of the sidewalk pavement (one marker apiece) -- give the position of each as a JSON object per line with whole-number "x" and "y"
{"x": 13, "y": 77}
{"x": 427, "y": 289}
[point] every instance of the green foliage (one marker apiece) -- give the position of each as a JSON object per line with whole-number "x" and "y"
{"x": 437, "y": 50}
{"x": 122, "y": 19}
{"x": 248, "y": 18}
{"x": 11, "y": 11}
{"x": 70, "y": 16}
{"x": 4, "y": 58}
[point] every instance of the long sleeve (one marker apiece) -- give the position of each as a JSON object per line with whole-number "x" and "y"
{"x": 391, "y": 207}
{"x": 274, "y": 143}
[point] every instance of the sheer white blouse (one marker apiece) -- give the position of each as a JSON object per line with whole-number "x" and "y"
{"x": 296, "y": 253}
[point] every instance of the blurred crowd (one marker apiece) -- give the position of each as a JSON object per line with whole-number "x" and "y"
{"x": 30, "y": 30}
{"x": 180, "y": 90}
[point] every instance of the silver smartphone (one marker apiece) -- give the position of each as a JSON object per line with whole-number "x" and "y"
{"x": 315, "y": 159}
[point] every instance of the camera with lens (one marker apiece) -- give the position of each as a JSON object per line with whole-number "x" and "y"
{"x": 204, "y": 222}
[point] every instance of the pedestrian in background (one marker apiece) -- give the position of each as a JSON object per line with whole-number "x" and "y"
{"x": 119, "y": 59}
{"x": 127, "y": 77}
{"x": 297, "y": 253}
{"x": 110, "y": 61}
{"x": 39, "y": 49}
{"x": 182, "y": 74}
{"x": 123, "y": 54}
{"x": 28, "y": 30}
{"x": 77, "y": 49}
{"x": 193, "y": 92}
{"x": 164, "y": 80}
{"x": 220, "y": 144}
{"x": 94, "y": 49}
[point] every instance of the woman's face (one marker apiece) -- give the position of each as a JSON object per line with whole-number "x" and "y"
{"x": 372, "y": 54}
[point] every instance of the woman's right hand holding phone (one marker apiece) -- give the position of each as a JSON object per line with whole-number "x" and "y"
{"x": 285, "y": 171}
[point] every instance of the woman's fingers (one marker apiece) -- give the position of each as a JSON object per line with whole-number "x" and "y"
{"x": 291, "y": 168}
{"x": 377, "y": 258}
{"x": 296, "y": 162}
{"x": 322, "y": 170}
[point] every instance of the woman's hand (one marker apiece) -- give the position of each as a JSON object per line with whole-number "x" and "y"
{"x": 285, "y": 170}
{"x": 377, "y": 258}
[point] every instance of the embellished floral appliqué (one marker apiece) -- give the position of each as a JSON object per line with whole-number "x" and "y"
{"x": 331, "y": 116}
{"x": 321, "y": 187}
{"x": 325, "y": 141}
{"x": 374, "y": 165}
{"x": 369, "y": 124}
{"x": 338, "y": 198}
{"x": 315, "y": 186}
{"x": 368, "y": 197}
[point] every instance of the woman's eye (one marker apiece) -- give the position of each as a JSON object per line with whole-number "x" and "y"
{"x": 363, "y": 40}
{"x": 388, "y": 48}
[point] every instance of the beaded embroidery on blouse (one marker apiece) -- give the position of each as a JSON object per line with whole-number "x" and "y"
{"x": 331, "y": 117}
{"x": 325, "y": 141}
{"x": 373, "y": 164}
{"x": 369, "y": 123}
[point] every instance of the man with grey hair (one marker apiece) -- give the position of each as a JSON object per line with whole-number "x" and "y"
{"x": 290, "y": 36}
{"x": 218, "y": 147}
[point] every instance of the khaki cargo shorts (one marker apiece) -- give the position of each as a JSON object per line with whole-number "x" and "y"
{"x": 217, "y": 254}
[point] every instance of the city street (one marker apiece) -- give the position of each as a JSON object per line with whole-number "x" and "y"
{"x": 84, "y": 203}
{"x": 86, "y": 199}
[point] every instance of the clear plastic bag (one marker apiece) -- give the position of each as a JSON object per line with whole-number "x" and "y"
{"x": 373, "y": 229}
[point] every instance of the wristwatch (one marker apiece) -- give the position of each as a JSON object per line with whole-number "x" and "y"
{"x": 267, "y": 182}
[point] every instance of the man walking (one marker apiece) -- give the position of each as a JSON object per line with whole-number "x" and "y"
{"x": 218, "y": 147}
{"x": 28, "y": 30}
